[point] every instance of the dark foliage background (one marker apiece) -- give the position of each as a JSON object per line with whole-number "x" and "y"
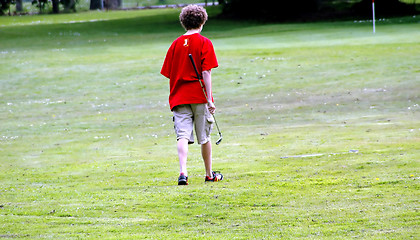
{"x": 313, "y": 9}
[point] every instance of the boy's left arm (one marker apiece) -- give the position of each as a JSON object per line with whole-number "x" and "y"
{"x": 207, "y": 83}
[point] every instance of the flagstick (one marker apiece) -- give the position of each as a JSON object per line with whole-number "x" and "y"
{"x": 373, "y": 13}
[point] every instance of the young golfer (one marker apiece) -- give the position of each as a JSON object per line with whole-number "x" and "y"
{"x": 186, "y": 99}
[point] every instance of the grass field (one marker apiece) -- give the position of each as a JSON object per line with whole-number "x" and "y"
{"x": 320, "y": 123}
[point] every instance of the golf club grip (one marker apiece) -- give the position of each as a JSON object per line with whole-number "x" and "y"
{"x": 198, "y": 76}
{"x": 195, "y": 67}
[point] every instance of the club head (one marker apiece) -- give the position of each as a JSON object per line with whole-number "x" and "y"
{"x": 219, "y": 140}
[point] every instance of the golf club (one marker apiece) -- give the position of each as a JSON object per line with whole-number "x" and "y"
{"x": 205, "y": 95}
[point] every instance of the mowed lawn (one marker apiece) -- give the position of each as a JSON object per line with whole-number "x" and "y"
{"x": 320, "y": 123}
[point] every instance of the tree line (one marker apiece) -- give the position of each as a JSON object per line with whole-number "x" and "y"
{"x": 68, "y": 5}
{"x": 276, "y": 10}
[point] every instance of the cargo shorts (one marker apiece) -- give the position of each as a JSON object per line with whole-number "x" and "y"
{"x": 187, "y": 116}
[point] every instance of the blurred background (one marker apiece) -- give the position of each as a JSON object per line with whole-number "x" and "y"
{"x": 262, "y": 10}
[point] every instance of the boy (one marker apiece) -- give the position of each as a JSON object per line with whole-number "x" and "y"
{"x": 186, "y": 99}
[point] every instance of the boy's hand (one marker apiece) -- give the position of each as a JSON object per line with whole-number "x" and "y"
{"x": 211, "y": 107}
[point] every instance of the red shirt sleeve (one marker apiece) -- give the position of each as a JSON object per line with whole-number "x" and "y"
{"x": 167, "y": 64}
{"x": 208, "y": 56}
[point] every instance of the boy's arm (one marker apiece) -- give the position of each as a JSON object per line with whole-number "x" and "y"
{"x": 207, "y": 83}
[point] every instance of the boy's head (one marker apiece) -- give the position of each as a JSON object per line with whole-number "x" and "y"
{"x": 193, "y": 17}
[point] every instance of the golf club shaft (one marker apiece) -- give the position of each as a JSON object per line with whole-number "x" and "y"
{"x": 204, "y": 91}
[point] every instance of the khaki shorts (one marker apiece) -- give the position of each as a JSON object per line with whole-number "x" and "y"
{"x": 188, "y": 116}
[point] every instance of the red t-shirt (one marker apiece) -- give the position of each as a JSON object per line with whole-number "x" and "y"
{"x": 183, "y": 82}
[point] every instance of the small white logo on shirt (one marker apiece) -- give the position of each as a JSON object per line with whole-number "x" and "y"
{"x": 186, "y": 42}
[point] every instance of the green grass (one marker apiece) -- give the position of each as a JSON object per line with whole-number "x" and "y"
{"x": 320, "y": 123}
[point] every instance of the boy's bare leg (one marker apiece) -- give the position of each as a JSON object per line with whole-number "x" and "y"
{"x": 206, "y": 154}
{"x": 182, "y": 155}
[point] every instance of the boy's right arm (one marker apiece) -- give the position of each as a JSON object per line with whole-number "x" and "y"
{"x": 207, "y": 83}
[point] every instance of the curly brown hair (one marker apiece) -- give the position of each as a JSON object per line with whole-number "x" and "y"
{"x": 192, "y": 17}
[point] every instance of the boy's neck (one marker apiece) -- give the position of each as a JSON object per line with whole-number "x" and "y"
{"x": 193, "y": 31}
